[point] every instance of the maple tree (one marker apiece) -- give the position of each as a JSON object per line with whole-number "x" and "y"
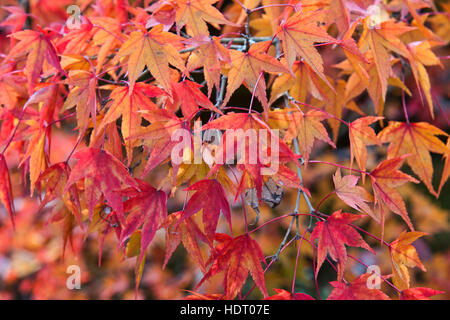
{"x": 303, "y": 125}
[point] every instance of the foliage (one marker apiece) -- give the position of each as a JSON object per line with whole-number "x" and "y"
{"x": 354, "y": 95}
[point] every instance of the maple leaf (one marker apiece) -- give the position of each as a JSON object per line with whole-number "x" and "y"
{"x": 421, "y": 56}
{"x": 286, "y": 295}
{"x": 146, "y": 208}
{"x": 209, "y": 54}
{"x": 6, "y": 196}
{"x": 304, "y": 81}
{"x": 194, "y": 13}
{"x": 333, "y": 101}
{"x": 237, "y": 256}
{"x": 37, "y": 156}
{"x": 248, "y": 67}
{"x": 361, "y": 135}
{"x": 55, "y": 179}
{"x": 187, "y": 232}
{"x": 122, "y": 80}
{"x": 307, "y": 127}
{"x": 353, "y": 195}
{"x": 102, "y": 174}
{"x": 39, "y": 48}
{"x": 163, "y": 12}
{"x": 267, "y": 24}
{"x": 47, "y": 99}
{"x": 158, "y": 136}
{"x": 333, "y": 234}
{"x": 413, "y": 6}
{"x": 380, "y": 39}
{"x": 385, "y": 178}
{"x": 107, "y": 37}
{"x": 356, "y": 290}
{"x": 417, "y": 140}
{"x": 340, "y": 14}
{"x": 241, "y": 122}
{"x": 133, "y": 249}
{"x": 209, "y": 196}
{"x": 127, "y": 102}
{"x": 404, "y": 256}
{"x": 187, "y": 94}
{"x": 419, "y": 293}
{"x": 355, "y": 86}
{"x": 11, "y": 86}
{"x": 298, "y": 35}
{"x": 154, "y": 49}
{"x": 83, "y": 95}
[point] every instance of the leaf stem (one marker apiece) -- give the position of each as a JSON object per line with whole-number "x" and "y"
{"x": 405, "y": 111}
{"x": 293, "y": 214}
{"x": 339, "y": 166}
{"x": 323, "y": 200}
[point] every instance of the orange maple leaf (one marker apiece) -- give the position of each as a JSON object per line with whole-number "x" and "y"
{"x": 361, "y": 135}
{"x": 417, "y": 140}
{"x": 209, "y": 54}
{"x": 127, "y": 102}
{"x": 404, "y": 256}
{"x": 154, "y": 49}
{"x": 237, "y": 125}
{"x": 83, "y": 95}
{"x": 421, "y": 56}
{"x": 380, "y": 39}
{"x": 194, "y": 13}
{"x": 298, "y": 35}
{"x": 307, "y": 127}
{"x": 39, "y": 48}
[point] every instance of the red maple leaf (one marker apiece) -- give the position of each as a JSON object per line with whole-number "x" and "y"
{"x": 209, "y": 196}
{"x": 237, "y": 257}
{"x": 333, "y": 234}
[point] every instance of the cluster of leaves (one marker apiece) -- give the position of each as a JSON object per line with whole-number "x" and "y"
{"x": 133, "y": 72}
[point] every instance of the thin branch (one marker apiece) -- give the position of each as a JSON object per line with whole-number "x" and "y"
{"x": 296, "y": 261}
